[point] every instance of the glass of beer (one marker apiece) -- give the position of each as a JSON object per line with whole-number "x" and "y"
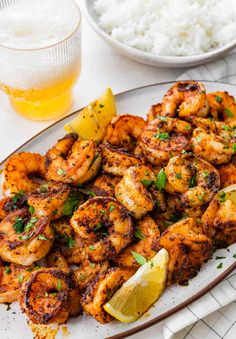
{"x": 40, "y": 55}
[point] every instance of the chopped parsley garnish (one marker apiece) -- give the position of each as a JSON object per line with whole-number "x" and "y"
{"x": 42, "y": 237}
{"x": 146, "y": 182}
{"x": 72, "y": 203}
{"x": 218, "y": 257}
{"x": 25, "y": 236}
{"x": 228, "y": 113}
{"x": 205, "y": 174}
{"x": 218, "y": 99}
{"x": 220, "y": 265}
{"x": 139, "y": 258}
{"x": 43, "y": 188}
{"x": 234, "y": 255}
{"x": 98, "y": 227}
{"x": 31, "y": 209}
{"x": 234, "y": 147}
{"x": 61, "y": 171}
{"x": 18, "y": 225}
{"x": 7, "y": 270}
{"x": 162, "y": 118}
{"x": 70, "y": 242}
{"x": 226, "y": 128}
{"x": 17, "y": 196}
{"x": 199, "y": 138}
{"x": 178, "y": 176}
{"x": 30, "y": 223}
{"x": 162, "y": 136}
{"x": 193, "y": 181}
{"x": 58, "y": 284}
{"x": 161, "y": 180}
{"x": 111, "y": 208}
{"x": 187, "y": 127}
{"x": 139, "y": 234}
{"x": 101, "y": 105}
{"x": 92, "y": 264}
{"x": 222, "y": 196}
{"x": 92, "y": 248}
{"x": 20, "y": 278}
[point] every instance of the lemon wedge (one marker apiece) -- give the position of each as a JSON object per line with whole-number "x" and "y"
{"x": 92, "y": 121}
{"x": 138, "y": 293}
{"x": 227, "y": 193}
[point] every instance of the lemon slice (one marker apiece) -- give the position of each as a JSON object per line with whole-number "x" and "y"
{"x": 138, "y": 293}
{"x": 227, "y": 193}
{"x": 92, "y": 121}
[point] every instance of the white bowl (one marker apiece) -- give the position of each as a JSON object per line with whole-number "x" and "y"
{"x": 150, "y": 59}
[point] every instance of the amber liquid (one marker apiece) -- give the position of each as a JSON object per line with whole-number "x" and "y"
{"x": 44, "y": 103}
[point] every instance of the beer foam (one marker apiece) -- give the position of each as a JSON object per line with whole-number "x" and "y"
{"x": 28, "y": 28}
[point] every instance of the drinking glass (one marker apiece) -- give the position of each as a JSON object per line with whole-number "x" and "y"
{"x": 38, "y": 77}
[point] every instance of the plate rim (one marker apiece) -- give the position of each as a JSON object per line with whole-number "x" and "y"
{"x": 193, "y": 298}
{"x": 156, "y": 60}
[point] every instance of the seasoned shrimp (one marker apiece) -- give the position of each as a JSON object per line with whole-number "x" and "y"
{"x": 117, "y": 161}
{"x": 105, "y": 226}
{"x": 12, "y": 277}
{"x": 194, "y": 179}
{"x": 101, "y": 290}
{"x": 104, "y": 185}
{"x": 70, "y": 245}
{"x": 165, "y": 137}
{"x": 49, "y": 296}
{"x": 227, "y": 175}
{"x": 154, "y": 112}
{"x": 132, "y": 191}
{"x": 49, "y": 199}
{"x": 146, "y": 233}
{"x": 89, "y": 271}
{"x": 219, "y": 221}
{"x": 23, "y": 239}
{"x": 186, "y": 99}
{"x": 217, "y": 149}
{"x": 72, "y": 161}
{"x": 188, "y": 249}
{"x": 222, "y": 106}
{"x": 124, "y": 131}
{"x": 18, "y": 172}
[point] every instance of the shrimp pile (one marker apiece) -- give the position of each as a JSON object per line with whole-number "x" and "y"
{"x": 74, "y": 221}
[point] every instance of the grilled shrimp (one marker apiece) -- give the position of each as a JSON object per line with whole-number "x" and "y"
{"x": 101, "y": 290}
{"x": 70, "y": 245}
{"x": 146, "y": 233}
{"x": 117, "y": 161}
{"x": 217, "y": 149}
{"x": 18, "y": 171}
{"x": 186, "y": 99}
{"x": 12, "y": 277}
{"x": 104, "y": 225}
{"x": 24, "y": 240}
{"x": 194, "y": 179}
{"x": 49, "y": 296}
{"x": 227, "y": 174}
{"x": 104, "y": 185}
{"x": 49, "y": 199}
{"x": 164, "y": 137}
{"x": 219, "y": 221}
{"x": 124, "y": 131}
{"x": 132, "y": 191}
{"x": 154, "y": 112}
{"x": 188, "y": 249}
{"x": 72, "y": 161}
{"x": 222, "y": 106}
{"x": 89, "y": 271}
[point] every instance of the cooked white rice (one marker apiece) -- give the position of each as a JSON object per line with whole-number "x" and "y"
{"x": 169, "y": 27}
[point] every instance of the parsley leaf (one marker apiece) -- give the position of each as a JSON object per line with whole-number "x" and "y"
{"x": 146, "y": 182}
{"x": 18, "y": 225}
{"x": 42, "y": 237}
{"x": 72, "y": 203}
{"x": 31, "y": 209}
{"x": 193, "y": 181}
{"x": 58, "y": 284}
{"x": 218, "y": 99}
{"x": 139, "y": 258}
{"x": 228, "y": 113}
{"x": 161, "y": 180}
{"x": 139, "y": 234}
{"x": 222, "y": 196}
{"x": 220, "y": 265}
{"x": 162, "y": 136}
{"x": 61, "y": 171}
